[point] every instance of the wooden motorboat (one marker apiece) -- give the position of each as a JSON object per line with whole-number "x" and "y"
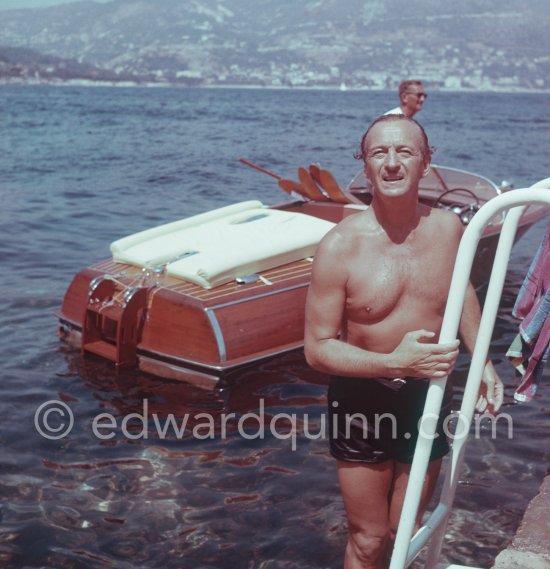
{"x": 198, "y": 298}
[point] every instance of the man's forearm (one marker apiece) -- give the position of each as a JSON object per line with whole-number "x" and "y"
{"x": 337, "y": 357}
{"x": 492, "y": 389}
{"x": 413, "y": 357}
{"x": 471, "y": 316}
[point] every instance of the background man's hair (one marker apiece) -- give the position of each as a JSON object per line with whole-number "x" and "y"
{"x": 404, "y": 85}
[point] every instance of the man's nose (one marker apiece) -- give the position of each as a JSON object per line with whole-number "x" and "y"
{"x": 391, "y": 159}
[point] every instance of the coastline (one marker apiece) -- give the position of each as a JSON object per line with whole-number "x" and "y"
{"x": 158, "y": 85}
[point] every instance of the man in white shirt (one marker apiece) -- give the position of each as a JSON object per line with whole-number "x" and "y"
{"x": 412, "y": 96}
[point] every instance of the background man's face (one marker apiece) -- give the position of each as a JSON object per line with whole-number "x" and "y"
{"x": 414, "y": 97}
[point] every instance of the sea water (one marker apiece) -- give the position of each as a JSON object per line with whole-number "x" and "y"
{"x": 81, "y": 167}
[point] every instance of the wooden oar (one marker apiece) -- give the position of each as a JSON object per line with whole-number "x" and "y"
{"x": 312, "y": 190}
{"x": 314, "y": 170}
{"x": 260, "y": 168}
{"x": 335, "y": 192}
{"x": 289, "y": 186}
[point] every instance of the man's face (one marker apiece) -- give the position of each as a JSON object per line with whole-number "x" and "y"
{"x": 414, "y": 98}
{"x": 394, "y": 162}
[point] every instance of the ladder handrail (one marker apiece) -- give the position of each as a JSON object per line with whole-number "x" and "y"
{"x": 537, "y": 194}
{"x": 479, "y": 357}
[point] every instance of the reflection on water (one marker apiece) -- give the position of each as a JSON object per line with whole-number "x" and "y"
{"x": 214, "y": 498}
{"x": 221, "y": 502}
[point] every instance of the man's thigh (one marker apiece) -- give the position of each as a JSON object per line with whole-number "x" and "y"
{"x": 401, "y": 479}
{"x": 365, "y": 490}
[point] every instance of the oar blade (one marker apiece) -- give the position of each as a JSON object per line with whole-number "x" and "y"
{"x": 315, "y": 171}
{"x": 310, "y": 187}
{"x": 290, "y": 186}
{"x": 333, "y": 189}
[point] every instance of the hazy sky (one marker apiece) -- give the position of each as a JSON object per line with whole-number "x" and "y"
{"x": 16, "y": 4}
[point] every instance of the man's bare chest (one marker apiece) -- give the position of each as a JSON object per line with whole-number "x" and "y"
{"x": 406, "y": 278}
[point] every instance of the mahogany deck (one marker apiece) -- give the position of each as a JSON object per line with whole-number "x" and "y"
{"x": 225, "y": 293}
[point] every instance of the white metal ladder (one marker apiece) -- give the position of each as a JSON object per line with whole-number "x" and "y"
{"x": 406, "y": 549}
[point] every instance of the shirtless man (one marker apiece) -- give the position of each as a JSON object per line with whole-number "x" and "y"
{"x": 374, "y": 311}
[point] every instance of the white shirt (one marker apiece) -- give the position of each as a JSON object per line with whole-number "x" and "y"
{"x": 396, "y": 111}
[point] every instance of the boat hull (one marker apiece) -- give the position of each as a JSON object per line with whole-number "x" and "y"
{"x": 186, "y": 332}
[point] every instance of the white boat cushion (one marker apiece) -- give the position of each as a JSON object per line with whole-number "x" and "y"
{"x": 217, "y": 247}
{"x": 159, "y": 245}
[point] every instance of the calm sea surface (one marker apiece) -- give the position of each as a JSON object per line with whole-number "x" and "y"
{"x": 82, "y": 167}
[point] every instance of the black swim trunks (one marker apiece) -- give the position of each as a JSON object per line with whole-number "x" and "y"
{"x": 375, "y": 419}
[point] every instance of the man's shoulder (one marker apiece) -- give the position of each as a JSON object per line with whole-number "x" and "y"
{"x": 444, "y": 215}
{"x": 445, "y": 221}
{"x": 340, "y": 236}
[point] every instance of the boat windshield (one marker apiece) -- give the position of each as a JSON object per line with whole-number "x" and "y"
{"x": 442, "y": 178}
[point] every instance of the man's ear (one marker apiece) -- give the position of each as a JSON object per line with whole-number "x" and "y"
{"x": 426, "y": 168}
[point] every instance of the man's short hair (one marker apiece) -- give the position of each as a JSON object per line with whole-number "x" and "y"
{"x": 404, "y": 85}
{"x": 426, "y": 149}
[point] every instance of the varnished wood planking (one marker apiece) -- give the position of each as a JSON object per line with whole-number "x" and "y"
{"x": 179, "y": 329}
{"x": 75, "y": 300}
{"x": 263, "y": 323}
{"x": 277, "y": 276}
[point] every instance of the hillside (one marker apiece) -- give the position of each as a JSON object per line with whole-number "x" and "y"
{"x": 480, "y": 44}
